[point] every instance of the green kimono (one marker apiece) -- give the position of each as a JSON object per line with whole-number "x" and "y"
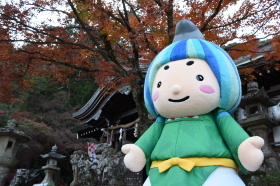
{"x": 215, "y": 134}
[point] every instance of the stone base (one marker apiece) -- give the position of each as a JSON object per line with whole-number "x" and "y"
{"x": 41, "y": 184}
{"x": 3, "y": 175}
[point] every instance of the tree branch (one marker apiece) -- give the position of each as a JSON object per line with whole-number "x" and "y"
{"x": 211, "y": 17}
{"x": 108, "y": 52}
{"x": 58, "y": 62}
{"x": 50, "y": 42}
{"x": 169, "y": 14}
{"x": 133, "y": 11}
{"x": 244, "y": 17}
{"x": 83, "y": 25}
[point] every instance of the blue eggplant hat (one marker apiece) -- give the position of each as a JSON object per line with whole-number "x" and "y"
{"x": 190, "y": 43}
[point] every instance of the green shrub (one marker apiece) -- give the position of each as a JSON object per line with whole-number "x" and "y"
{"x": 269, "y": 179}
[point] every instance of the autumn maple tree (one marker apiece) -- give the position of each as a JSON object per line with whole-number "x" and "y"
{"x": 114, "y": 40}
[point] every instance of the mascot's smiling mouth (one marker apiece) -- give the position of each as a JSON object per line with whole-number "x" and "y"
{"x": 179, "y": 100}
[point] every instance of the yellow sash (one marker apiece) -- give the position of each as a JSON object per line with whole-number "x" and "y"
{"x": 189, "y": 163}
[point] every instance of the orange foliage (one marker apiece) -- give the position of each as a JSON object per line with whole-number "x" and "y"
{"x": 110, "y": 39}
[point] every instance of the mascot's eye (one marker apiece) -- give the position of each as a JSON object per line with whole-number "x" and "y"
{"x": 166, "y": 67}
{"x": 159, "y": 84}
{"x": 189, "y": 63}
{"x": 199, "y": 78}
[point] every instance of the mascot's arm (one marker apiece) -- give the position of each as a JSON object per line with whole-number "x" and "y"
{"x": 138, "y": 154}
{"x": 243, "y": 148}
{"x": 250, "y": 154}
{"x": 134, "y": 159}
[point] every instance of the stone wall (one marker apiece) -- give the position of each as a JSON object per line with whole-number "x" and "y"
{"x": 108, "y": 170}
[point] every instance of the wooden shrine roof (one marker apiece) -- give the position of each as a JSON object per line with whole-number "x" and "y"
{"x": 267, "y": 78}
{"x": 105, "y": 110}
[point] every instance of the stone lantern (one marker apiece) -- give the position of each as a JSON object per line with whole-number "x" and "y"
{"x": 258, "y": 121}
{"x": 51, "y": 168}
{"x": 10, "y": 137}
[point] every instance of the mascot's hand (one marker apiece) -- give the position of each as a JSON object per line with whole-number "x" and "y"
{"x": 250, "y": 154}
{"x": 134, "y": 159}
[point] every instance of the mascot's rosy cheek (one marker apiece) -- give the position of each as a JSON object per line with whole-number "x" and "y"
{"x": 155, "y": 96}
{"x": 207, "y": 89}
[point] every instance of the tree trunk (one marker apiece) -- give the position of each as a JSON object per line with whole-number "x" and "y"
{"x": 138, "y": 96}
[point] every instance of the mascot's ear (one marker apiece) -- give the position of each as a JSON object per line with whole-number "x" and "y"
{"x": 186, "y": 29}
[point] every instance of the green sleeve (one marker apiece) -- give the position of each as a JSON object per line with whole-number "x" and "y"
{"x": 232, "y": 133}
{"x": 148, "y": 141}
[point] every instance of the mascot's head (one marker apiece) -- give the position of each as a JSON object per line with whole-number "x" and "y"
{"x": 189, "y": 43}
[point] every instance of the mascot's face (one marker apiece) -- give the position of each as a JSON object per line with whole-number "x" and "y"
{"x": 185, "y": 87}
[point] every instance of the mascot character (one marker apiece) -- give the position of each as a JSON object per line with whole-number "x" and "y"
{"x": 191, "y": 87}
